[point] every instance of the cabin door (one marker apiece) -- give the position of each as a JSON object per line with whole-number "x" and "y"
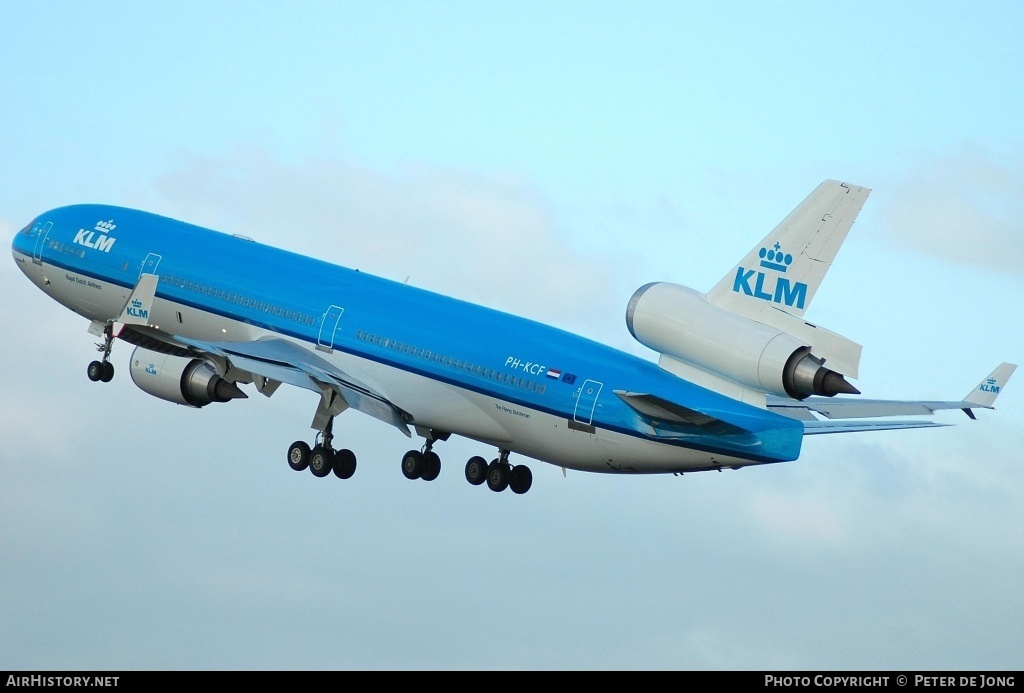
{"x": 329, "y": 324}
{"x": 586, "y": 401}
{"x": 37, "y": 253}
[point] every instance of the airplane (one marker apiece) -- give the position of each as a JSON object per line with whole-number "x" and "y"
{"x": 741, "y": 378}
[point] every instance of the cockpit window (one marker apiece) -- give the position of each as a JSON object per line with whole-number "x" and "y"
{"x": 27, "y": 231}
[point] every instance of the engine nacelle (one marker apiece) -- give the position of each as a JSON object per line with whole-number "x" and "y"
{"x": 680, "y": 322}
{"x": 192, "y": 382}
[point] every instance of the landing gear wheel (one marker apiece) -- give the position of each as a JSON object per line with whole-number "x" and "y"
{"x": 412, "y": 464}
{"x": 498, "y": 474}
{"x": 108, "y": 372}
{"x": 431, "y": 466}
{"x": 521, "y": 479}
{"x": 321, "y": 461}
{"x": 476, "y": 470}
{"x": 95, "y": 371}
{"x": 298, "y": 456}
{"x": 344, "y": 464}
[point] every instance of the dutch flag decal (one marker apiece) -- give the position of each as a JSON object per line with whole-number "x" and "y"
{"x": 552, "y": 373}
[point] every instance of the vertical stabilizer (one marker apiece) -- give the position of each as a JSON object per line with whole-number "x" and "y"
{"x": 784, "y": 271}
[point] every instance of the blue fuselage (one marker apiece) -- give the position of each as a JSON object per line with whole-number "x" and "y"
{"x": 410, "y": 343}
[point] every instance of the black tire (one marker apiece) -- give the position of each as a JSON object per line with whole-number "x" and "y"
{"x": 298, "y": 456}
{"x": 108, "y": 372}
{"x": 95, "y": 371}
{"x": 321, "y": 461}
{"x": 431, "y": 466}
{"x": 412, "y": 464}
{"x": 344, "y": 464}
{"x": 476, "y": 470}
{"x": 498, "y": 474}
{"x": 521, "y": 479}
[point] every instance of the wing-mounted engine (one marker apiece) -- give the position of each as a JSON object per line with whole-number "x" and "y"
{"x": 679, "y": 322}
{"x": 188, "y": 381}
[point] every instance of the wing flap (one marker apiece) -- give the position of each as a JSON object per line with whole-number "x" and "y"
{"x": 821, "y": 427}
{"x": 661, "y": 412}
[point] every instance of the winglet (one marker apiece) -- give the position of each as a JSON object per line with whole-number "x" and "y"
{"x": 984, "y": 395}
{"x": 137, "y": 308}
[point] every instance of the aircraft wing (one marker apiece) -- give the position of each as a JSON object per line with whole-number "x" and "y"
{"x": 282, "y": 361}
{"x": 837, "y": 409}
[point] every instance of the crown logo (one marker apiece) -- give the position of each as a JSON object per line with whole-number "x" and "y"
{"x": 991, "y": 381}
{"x": 105, "y": 226}
{"x": 136, "y": 303}
{"x": 775, "y": 259}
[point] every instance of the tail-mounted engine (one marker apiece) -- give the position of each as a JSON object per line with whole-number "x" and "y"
{"x": 679, "y": 322}
{"x": 192, "y": 382}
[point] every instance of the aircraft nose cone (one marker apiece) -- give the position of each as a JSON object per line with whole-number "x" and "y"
{"x": 23, "y": 242}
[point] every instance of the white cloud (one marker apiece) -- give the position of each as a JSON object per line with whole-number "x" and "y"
{"x": 966, "y": 207}
{"x": 807, "y": 519}
{"x": 490, "y": 239}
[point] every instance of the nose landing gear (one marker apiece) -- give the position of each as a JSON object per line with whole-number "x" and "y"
{"x": 103, "y": 370}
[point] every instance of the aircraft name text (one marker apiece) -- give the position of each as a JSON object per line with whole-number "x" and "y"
{"x": 508, "y": 410}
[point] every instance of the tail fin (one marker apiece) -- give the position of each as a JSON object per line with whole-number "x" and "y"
{"x": 786, "y": 268}
{"x": 984, "y": 395}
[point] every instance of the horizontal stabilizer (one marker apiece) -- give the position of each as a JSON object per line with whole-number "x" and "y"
{"x": 981, "y": 397}
{"x": 839, "y": 409}
{"x": 661, "y": 411}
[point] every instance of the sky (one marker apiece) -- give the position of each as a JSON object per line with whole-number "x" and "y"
{"x": 547, "y": 159}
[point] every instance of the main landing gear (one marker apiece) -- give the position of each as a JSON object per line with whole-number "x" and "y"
{"x": 103, "y": 370}
{"x": 424, "y": 463}
{"x": 499, "y": 474}
{"x": 421, "y": 464}
{"x": 322, "y": 459}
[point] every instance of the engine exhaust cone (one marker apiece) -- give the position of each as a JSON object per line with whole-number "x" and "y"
{"x": 834, "y": 384}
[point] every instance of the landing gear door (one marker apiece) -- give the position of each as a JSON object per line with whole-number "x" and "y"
{"x": 41, "y": 233}
{"x": 328, "y": 328}
{"x": 586, "y": 401}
